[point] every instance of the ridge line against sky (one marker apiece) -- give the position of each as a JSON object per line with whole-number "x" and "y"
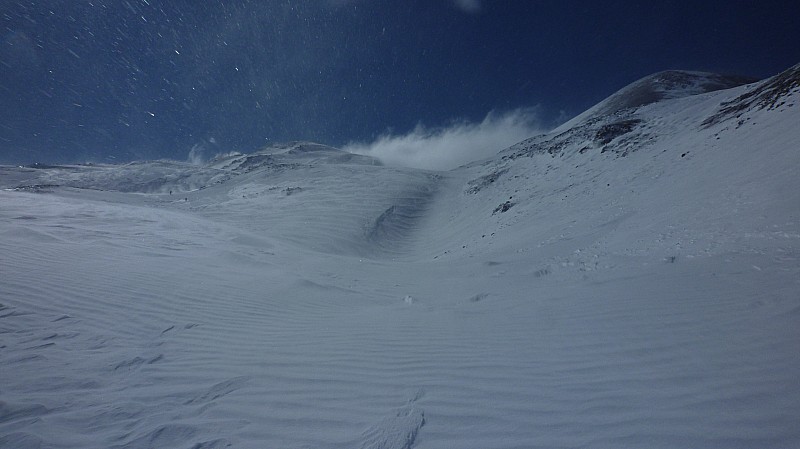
{"x": 115, "y": 81}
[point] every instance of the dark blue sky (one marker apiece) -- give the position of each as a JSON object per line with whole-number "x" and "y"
{"x": 129, "y": 79}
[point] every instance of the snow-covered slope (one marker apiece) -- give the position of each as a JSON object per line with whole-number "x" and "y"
{"x": 629, "y": 281}
{"x": 665, "y": 85}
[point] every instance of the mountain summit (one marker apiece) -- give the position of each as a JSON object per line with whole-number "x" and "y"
{"x": 659, "y": 86}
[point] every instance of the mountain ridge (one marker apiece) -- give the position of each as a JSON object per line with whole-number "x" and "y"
{"x": 664, "y": 85}
{"x": 410, "y": 199}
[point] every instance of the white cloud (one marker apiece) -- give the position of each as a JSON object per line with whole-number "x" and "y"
{"x": 468, "y": 6}
{"x": 449, "y": 147}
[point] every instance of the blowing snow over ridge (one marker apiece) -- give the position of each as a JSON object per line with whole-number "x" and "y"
{"x": 448, "y": 147}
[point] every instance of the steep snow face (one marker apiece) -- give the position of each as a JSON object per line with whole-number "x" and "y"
{"x": 664, "y": 85}
{"x": 771, "y": 94}
{"x": 633, "y": 157}
{"x": 631, "y": 281}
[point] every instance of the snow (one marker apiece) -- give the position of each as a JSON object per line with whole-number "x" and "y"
{"x": 668, "y": 84}
{"x": 641, "y": 288}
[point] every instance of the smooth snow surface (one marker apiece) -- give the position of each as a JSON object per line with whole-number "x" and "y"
{"x": 632, "y": 281}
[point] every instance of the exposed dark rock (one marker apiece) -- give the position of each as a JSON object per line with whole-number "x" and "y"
{"x": 503, "y": 207}
{"x": 37, "y": 188}
{"x": 769, "y": 95}
{"x": 476, "y": 185}
{"x": 609, "y": 132}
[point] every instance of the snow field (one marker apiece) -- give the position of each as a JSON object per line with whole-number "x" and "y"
{"x": 646, "y": 300}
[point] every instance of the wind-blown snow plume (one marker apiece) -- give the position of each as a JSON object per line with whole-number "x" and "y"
{"x": 197, "y": 155}
{"x": 203, "y": 152}
{"x": 449, "y": 147}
